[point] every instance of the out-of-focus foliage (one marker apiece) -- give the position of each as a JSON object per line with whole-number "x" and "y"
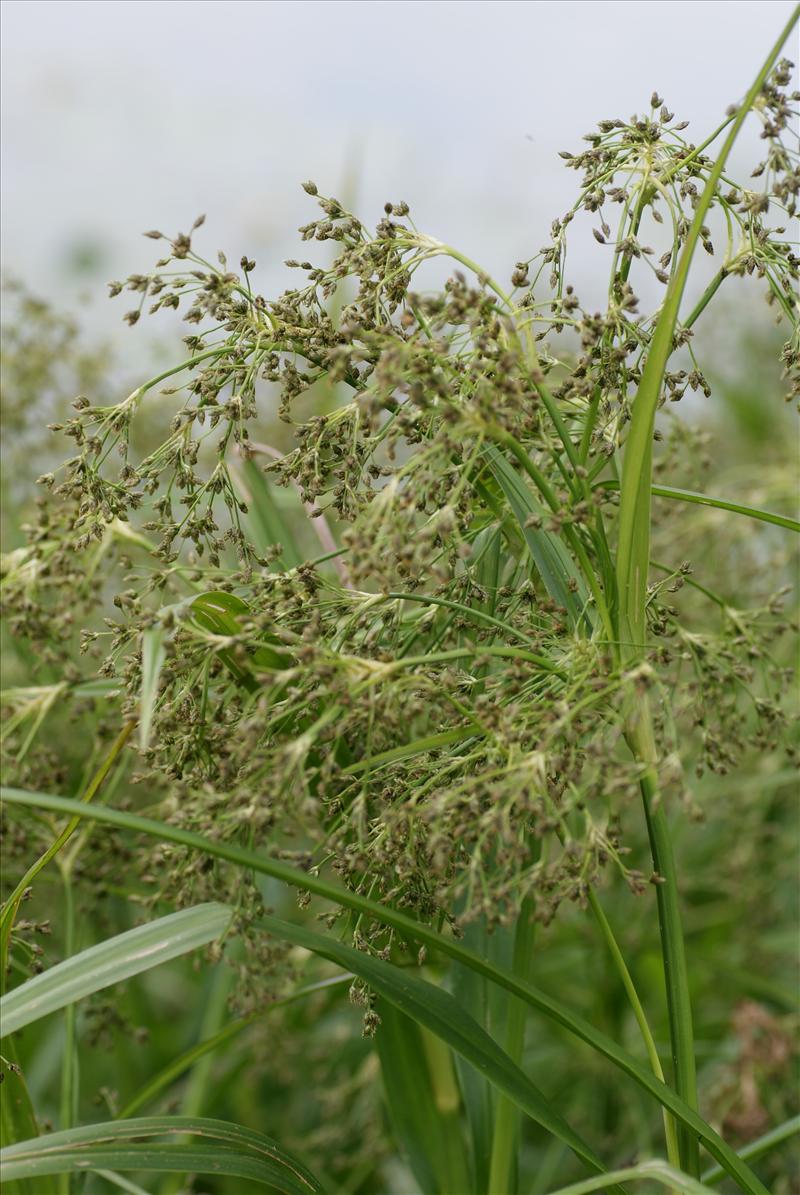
{"x": 44, "y": 365}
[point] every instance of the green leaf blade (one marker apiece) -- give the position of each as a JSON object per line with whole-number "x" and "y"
{"x": 550, "y": 557}
{"x": 110, "y": 962}
{"x": 438, "y": 1012}
{"x": 726, "y": 504}
{"x": 224, "y": 1148}
{"x": 428, "y": 1132}
{"x": 266, "y": 516}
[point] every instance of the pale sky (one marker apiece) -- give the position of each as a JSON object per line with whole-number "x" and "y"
{"x": 121, "y": 116}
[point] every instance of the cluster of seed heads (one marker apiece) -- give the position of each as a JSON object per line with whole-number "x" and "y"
{"x": 442, "y": 731}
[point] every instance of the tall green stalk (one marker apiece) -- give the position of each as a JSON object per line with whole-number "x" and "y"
{"x": 633, "y": 552}
{"x": 633, "y": 556}
{"x": 670, "y": 1129}
{"x": 676, "y": 972}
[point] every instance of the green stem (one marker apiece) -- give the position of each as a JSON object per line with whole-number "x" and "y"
{"x": 468, "y": 612}
{"x": 119, "y": 1180}
{"x": 633, "y": 558}
{"x": 459, "y": 653}
{"x": 633, "y": 552}
{"x": 431, "y": 742}
{"x": 189, "y": 363}
{"x": 502, "y": 1170}
{"x": 655, "y": 1170}
{"x": 670, "y": 1128}
{"x": 195, "y": 1092}
{"x": 706, "y": 297}
{"x": 676, "y": 976}
{"x": 447, "y": 1101}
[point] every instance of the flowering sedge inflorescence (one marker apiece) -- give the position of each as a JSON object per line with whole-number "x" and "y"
{"x": 437, "y": 714}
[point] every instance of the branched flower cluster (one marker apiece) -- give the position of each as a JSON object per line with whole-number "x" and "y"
{"x": 432, "y": 707}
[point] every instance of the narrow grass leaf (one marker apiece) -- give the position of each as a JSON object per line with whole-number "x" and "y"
{"x": 110, "y": 962}
{"x": 654, "y": 1171}
{"x": 759, "y": 1147}
{"x": 223, "y": 1148}
{"x": 266, "y": 516}
{"x": 633, "y": 560}
{"x": 740, "y": 508}
{"x": 551, "y": 559}
{"x": 633, "y": 553}
{"x": 18, "y": 1121}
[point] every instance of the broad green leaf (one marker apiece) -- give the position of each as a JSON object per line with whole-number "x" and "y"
{"x": 222, "y": 614}
{"x": 413, "y": 931}
{"x": 111, "y": 961}
{"x": 437, "y": 1011}
{"x": 153, "y": 657}
{"x": 553, "y": 562}
{"x": 425, "y": 1116}
{"x": 219, "y": 612}
{"x": 224, "y": 1148}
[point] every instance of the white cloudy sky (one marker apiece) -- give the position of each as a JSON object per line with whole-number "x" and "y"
{"x": 120, "y": 116}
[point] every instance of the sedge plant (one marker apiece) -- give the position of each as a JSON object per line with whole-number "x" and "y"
{"x": 418, "y": 663}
